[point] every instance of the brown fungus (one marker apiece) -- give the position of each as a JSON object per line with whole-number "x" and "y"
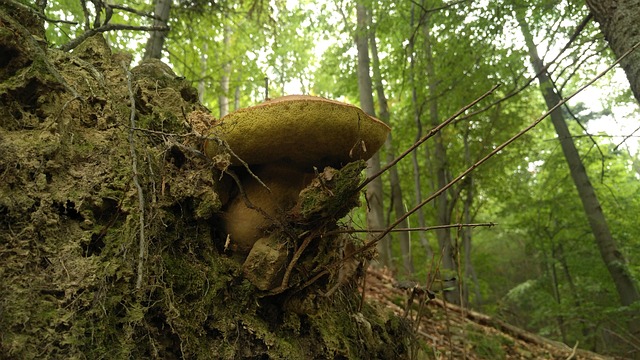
{"x": 285, "y": 141}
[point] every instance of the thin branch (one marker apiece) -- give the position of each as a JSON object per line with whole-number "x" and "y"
{"x": 294, "y": 260}
{"x": 445, "y": 6}
{"x": 134, "y": 11}
{"x": 501, "y": 147}
{"x": 425, "y": 228}
{"x": 36, "y": 12}
{"x": 627, "y": 138}
{"x": 425, "y": 138}
{"x": 108, "y": 27}
{"x": 142, "y": 243}
{"x": 155, "y": 132}
{"x": 492, "y": 153}
{"x": 427, "y": 11}
{"x": 578, "y": 65}
{"x": 573, "y": 37}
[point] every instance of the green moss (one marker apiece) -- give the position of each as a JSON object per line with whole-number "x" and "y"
{"x": 70, "y": 235}
{"x": 332, "y": 194}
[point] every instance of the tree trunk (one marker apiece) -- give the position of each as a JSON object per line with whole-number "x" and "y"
{"x": 203, "y": 72}
{"x": 417, "y": 183}
{"x": 236, "y": 96}
{"x": 394, "y": 178}
{"x": 469, "y": 272}
{"x": 375, "y": 215}
{"x": 620, "y": 23}
{"x": 223, "y": 98}
{"x": 449, "y": 263}
{"x": 551, "y": 261}
{"x": 613, "y": 259}
{"x": 153, "y": 50}
{"x": 585, "y": 327}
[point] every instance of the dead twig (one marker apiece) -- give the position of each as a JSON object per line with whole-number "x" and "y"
{"x": 296, "y": 256}
{"x": 134, "y": 164}
{"x": 425, "y": 228}
{"x": 425, "y": 138}
{"x": 573, "y": 351}
{"x": 37, "y": 13}
{"x": 108, "y": 27}
{"x": 492, "y": 153}
{"x": 134, "y": 11}
{"x": 499, "y": 148}
{"x": 573, "y": 37}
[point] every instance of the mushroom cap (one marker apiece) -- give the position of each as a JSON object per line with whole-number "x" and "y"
{"x": 299, "y": 130}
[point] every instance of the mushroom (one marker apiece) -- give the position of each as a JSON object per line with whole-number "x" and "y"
{"x": 284, "y": 141}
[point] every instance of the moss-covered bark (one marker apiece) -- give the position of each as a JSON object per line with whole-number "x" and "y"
{"x": 70, "y": 224}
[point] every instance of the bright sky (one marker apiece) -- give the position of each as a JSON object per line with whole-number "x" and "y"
{"x": 624, "y": 121}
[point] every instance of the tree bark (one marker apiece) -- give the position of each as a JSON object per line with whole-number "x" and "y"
{"x": 620, "y": 23}
{"x": 443, "y": 215}
{"x": 375, "y": 215}
{"x": 417, "y": 183}
{"x": 394, "y": 178}
{"x": 613, "y": 259}
{"x": 551, "y": 263}
{"x": 203, "y": 72}
{"x": 153, "y": 50}
{"x": 469, "y": 271}
{"x": 236, "y": 96}
{"x": 223, "y": 98}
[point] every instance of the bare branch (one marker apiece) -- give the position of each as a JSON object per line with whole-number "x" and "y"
{"x": 492, "y": 153}
{"x": 134, "y": 11}
{"x": 36, "y": 12}
{"x": 501, "y": 147}
{"x": 573, "y": 37}
{"x": 108, "y": 27}
{"x": 426, "y": 228}
{"x": 425, "y": 138}
{"x": 142, "y": 243}
{"x": 445, "y": 6}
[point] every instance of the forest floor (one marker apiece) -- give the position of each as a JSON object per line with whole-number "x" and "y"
{"x": 452, "y": 332}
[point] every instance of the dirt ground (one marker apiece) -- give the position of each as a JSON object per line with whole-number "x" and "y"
{"x": 442, "y": 331}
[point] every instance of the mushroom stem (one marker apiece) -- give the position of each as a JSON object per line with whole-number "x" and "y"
{"x": 246, "y": 222}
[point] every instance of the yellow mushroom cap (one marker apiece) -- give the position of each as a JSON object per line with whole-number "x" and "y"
{"x": 301, "y": 130}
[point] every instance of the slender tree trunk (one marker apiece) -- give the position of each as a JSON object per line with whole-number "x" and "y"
{"x": 394, "y": 178}
{"x": 223, "y": 98}
{"x": 469, "y": 272}
{"x": 375, "y": 215}
{"x": 551, "y": 261}
{"x": 203, "y": 72}
{"x": 417, "y": 183}
{"x": 153, "y": 50}
{"x": 613, "y": 259}
{"x": 443, "y": 215}
{"x": 562, "y": 259}
{"x": 236, "y": 96}
{"x": 620, "y": 23}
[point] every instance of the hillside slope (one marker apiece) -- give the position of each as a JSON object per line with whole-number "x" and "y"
{"x": 452, "y": 332}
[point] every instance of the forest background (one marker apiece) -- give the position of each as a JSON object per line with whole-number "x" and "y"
{"x": 546, "y": 265}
